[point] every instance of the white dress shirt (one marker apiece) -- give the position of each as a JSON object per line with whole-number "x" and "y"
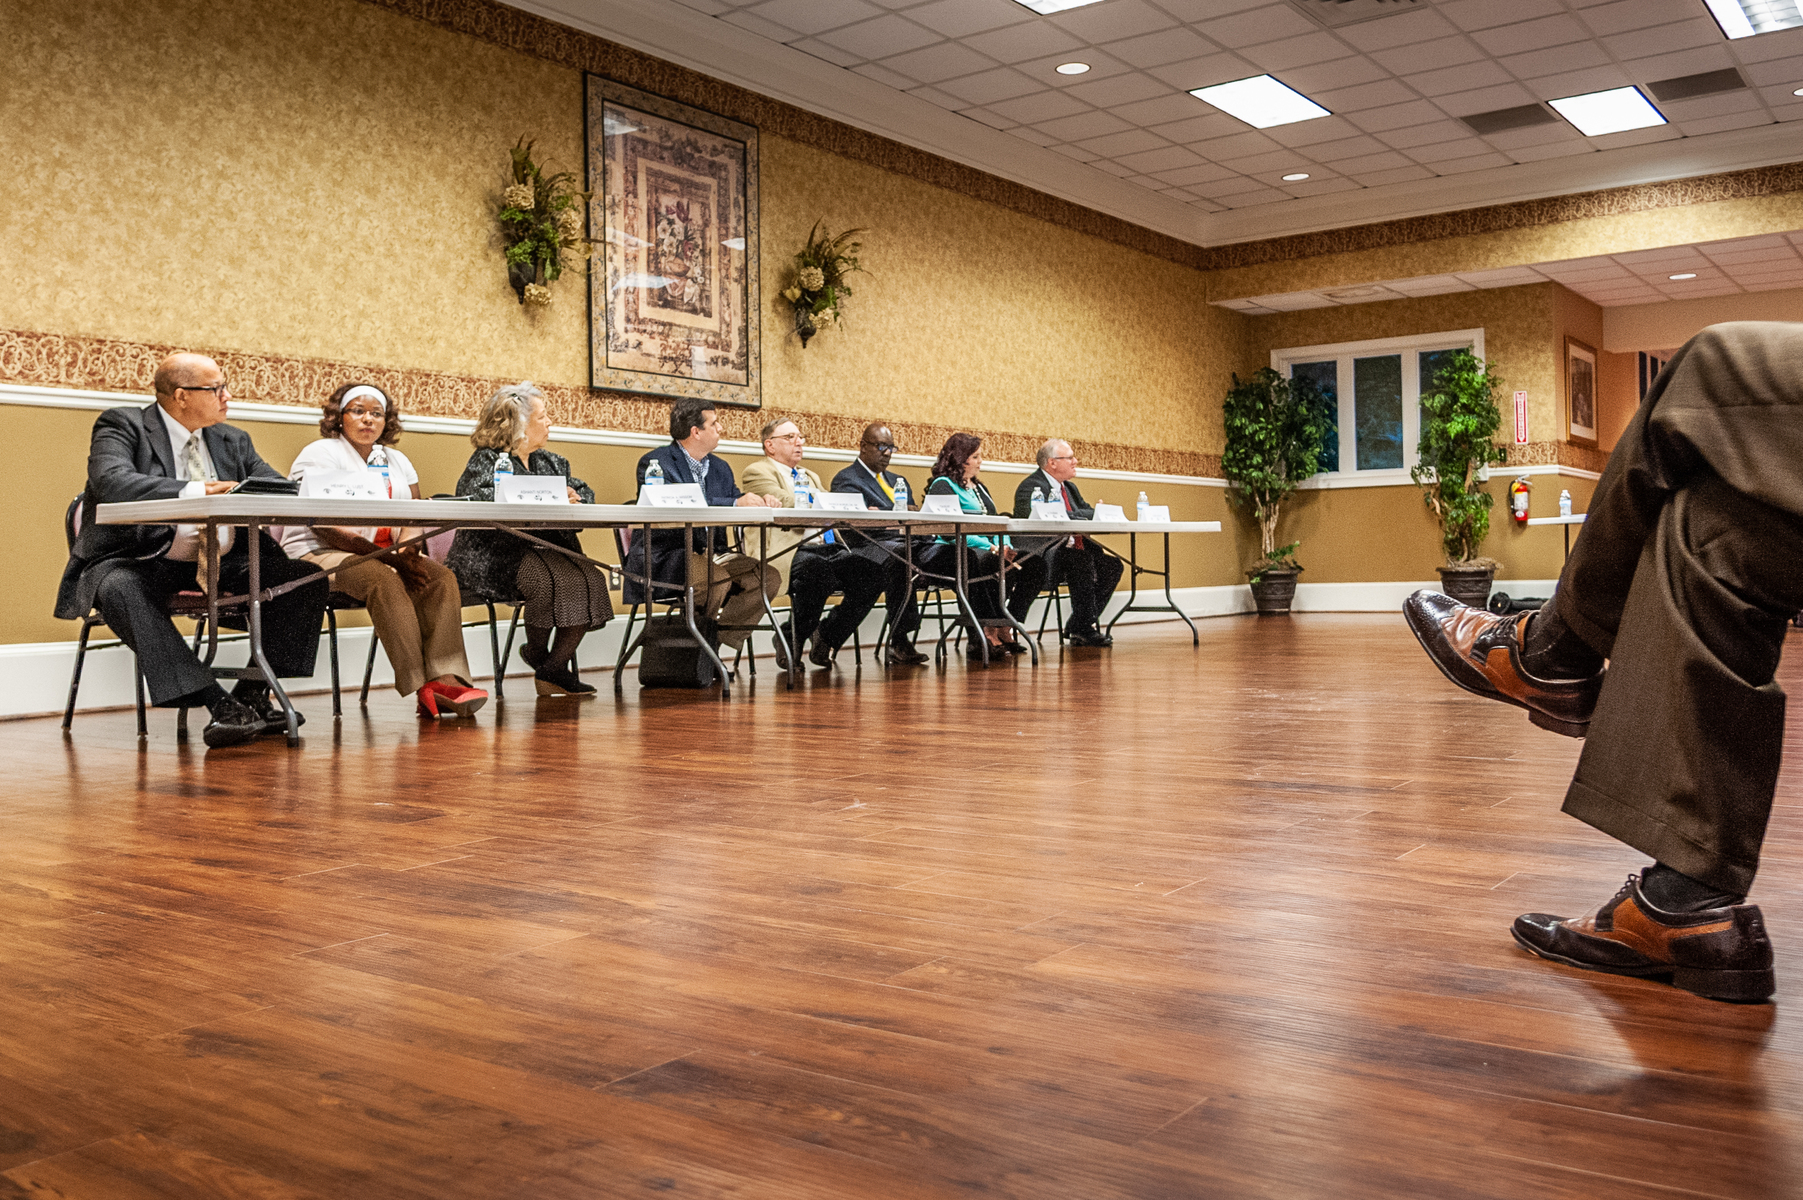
{"x": 186, "y": 546}
{"x": 337, "y": 454}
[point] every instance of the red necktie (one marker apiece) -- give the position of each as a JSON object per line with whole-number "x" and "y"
{"x": 1076, "y": 542}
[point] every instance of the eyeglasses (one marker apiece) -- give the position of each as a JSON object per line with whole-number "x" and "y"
{"x": 1064, "y": 458}
{"x": 881, "y": 447}
{"x": 366, "y": 412}
{"x": 221, "y": 386}
{"x": 789, "y": 437}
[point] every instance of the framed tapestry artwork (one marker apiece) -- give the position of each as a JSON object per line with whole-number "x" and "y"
{"x": 674, "y": 312}
{"x": 1580, "y": 392}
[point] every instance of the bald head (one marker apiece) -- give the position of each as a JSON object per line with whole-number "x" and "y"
{"x": 877, "y": 446}
{"x": 191, "y": 388}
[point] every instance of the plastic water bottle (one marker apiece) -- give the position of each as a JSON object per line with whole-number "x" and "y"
{"x": 654, "y": 474}
{"x": 1565, "y": 504}
{"x": 503, "y": 464}
{"x": 804, "y": 491}
{"x": 1141, "y": 507}
{"x": 1039, "y": 495}
{"x": 901, "y": 495}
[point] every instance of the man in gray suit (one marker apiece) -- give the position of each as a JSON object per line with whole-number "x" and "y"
{"x": 179, "y": 447}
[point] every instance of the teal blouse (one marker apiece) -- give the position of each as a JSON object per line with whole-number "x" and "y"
{"x": 971, "y": 500}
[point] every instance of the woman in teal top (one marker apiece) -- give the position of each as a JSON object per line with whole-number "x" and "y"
{"x": 955, "y": 474}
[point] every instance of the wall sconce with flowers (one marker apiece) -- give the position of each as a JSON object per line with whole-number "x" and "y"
{"x": 818, "y": 292}
{"x": 543, "y": 219}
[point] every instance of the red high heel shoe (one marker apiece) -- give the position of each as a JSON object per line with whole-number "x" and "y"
{"x": 450, "y": 700}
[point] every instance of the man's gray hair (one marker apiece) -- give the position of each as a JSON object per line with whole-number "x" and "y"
{"x": 1048, "y": 451}
{"x": 771, "y": 427}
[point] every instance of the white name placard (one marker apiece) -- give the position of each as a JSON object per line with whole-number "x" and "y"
{"x": 673, "y": 495}
{"x": 532, "y": 489}
{"x": 947, "y": 505}
{"x": 1050, "y": 510}
{"x": 1157, "y": 512}
{"x": 1110, "y": 512}
{"x": 344, "y": 485}
{"x": 839, "y": 501}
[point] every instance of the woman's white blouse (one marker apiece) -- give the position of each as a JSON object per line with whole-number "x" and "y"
{"x": 337, "y": 454}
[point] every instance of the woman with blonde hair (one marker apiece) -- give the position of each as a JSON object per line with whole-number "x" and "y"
{"x": 412, "y": 601}
{"x": 561, "y": 595}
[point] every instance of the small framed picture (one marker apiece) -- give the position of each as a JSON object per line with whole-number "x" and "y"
{"x": 1580, "y": 392}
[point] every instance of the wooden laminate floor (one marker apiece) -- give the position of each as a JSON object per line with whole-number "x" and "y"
{"x": 1155, "y": 922}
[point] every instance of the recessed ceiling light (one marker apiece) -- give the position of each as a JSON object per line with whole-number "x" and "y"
{"x": 1683, "y": 275}
{"x": 1051, "y": 6}
{"x": 1798, "y": 92}
{"x": 1072, "y": 68}
{"x": 1261, "y": 102}
{"x": 1293, "y": 178}
{"x": 1613, "y": 111}
{"x": 1745, "y": 18}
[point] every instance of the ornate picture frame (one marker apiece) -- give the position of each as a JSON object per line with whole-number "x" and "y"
{"x": 674, "y": 310}
{"x": 1580, "y": 392}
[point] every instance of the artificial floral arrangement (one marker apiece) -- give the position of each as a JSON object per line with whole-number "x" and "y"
{"x": 542, "y": 220}
{"x": 819, "y": 291}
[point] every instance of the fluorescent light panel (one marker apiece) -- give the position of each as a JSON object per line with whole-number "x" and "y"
{"x": 1613, "y": 111}
{"x": 1261, "y": 102}
{"x": 1748, "y": 18}
{"x": 1046, "y": 7}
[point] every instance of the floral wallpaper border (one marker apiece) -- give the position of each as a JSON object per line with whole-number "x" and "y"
{"x": 541, "y": 38}
{"x": 108, "y": 365}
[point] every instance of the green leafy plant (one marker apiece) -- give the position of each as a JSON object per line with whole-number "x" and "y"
{"x": 1274, "y": 431}
{"x": 818, "y": 291}
{"x": 542, "y": 219}
{"x": 1459, "y": 419}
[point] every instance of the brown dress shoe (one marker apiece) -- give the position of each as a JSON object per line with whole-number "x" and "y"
{"x": 1721, "y": 953}
{"x": 1481, "y": 652}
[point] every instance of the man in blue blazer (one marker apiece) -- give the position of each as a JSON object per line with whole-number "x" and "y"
{"x": 737, "y": 599}
{"x": 870, "y": 477}
{"x": 179, "y": 447}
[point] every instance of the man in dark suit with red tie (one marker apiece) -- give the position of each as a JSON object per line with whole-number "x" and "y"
{"x": 1091, "y": 571}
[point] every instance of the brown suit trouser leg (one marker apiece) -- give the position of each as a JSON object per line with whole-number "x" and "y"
{"x": 1687, "y": 569}
{"x": 421, "y": 631}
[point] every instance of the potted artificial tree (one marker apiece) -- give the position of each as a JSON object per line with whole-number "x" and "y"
{"x": 1275, "y": 428}
{"x": 1459, "y": 417}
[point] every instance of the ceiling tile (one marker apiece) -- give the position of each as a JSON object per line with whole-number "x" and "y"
{"x": 1501, "y": 277}
{"x": 1165, "y": 158}
{"x": 1204, "y": 72}
{"x": 884, "y": 75}
{"x": 1462, "y": 78}
{"x": 1117, "y": 18}
{"x": 1436, "y": 152}
{"x": 1404, "y": 29}
{"x": 1238, "y": 146}
{"x": 1365, "y": 95}
{"x": 1248, "y": 199}
{"x": 1369, "y": 164}
{"x": 1161, "y": 110}
{"x": 1431, "y": 285}
{"x": 1115, "y": 145}
{"x": 1787, "y": 71}
{"x": 1636, "y": 137}
{"x": 1023, "y": 42}
{"x": 1396, "y": 116}
{"x": 933, "y": 95}
{"x": 1122, "y": 89}
{"x": 1254, "y": 28}
{"x": 1102, "y": 164}
{"x": 1034, "y": 136}
{"x": 1353, "y": 147}
{"x": 1101, "y": 66}
{"x": 1162, "y": 48}
{"x": 1085, "y": 125}
{"x": 832, "y": 54}
{"x": 1230, "y": 186}
{"x": 992, "y": 119}
{"x": 1199, "y": 129}
{"x": 1511, "y": 140}
{"x": 1307, "y": 133}
{"x": 1775, "y": 284}
{"x": 1331, "y": 76}
{"x": 1077, "y": 152}
{"x": 1296, "y": 302}
{"x": 961, "y": 18}
{"x": 1741, "y": 120}
{"x": 947, "y": 60}
{"x": 1575, "y": 57}
{"x": 1711, "y": 106}
{"x": 1190, "y": 176}
{"x": 1297, "y": 51}
{"x": 1003, "y": 83}
{"x": 1319, "y": 187}
{"x": 1693, "y": 61}
{"x": 1622, "y": 16}
{"x": 1424, "y": 135}
{"x": 1786, "y": 43}
{"x": 1531, "y": 35}
{"x": 1586, "y": 274}
{"x": 1043, "y": 106}
{"x": 881, "y": 38}
{"x": 1463, "y": 104}
{"x": 1477, "y": 162}
{"x": 1484, "y": 14}
{"x": 1443, "y": 52}
{"x": 1577, "y": 83}
{"x": 1272, "y": 162}
{"x": 812, "y": 16}
{"x": 712, "y": 8}
{"x": 1393, "y": 175}
{"x": 1680, "y": 35}
{"x": 758, "y": 25}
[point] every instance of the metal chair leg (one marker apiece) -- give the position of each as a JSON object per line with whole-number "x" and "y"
{"x": 507, "y": 651}
{"x": 369, "y": 668}
{"x": 494, "y": 645}
{"x": 332, "y": 643}
{"x": 138, "y": 679}
{"x": 81, "y": 654}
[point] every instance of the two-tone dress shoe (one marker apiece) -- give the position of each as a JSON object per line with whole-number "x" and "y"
{"x": 1720, "y": 953}
{"x": 1481, "y": 652}
{"x": 233, "y": 724}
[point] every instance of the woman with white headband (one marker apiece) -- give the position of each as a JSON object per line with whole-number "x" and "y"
{"x": 413, "y": 602}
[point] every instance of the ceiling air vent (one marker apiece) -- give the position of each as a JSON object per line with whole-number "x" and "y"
{"x": 1689, "y": 87}
{"x": 1499, "y": 120}
{"x": 1335, "y": 13}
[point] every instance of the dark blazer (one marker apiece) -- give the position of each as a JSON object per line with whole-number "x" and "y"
{"x": 486, "y": 561}
{"x": 858, "y": 481}
{"x": 1023, "y": 508}
{"x": 721, "y": 491}
{"x": 129, "y": 458}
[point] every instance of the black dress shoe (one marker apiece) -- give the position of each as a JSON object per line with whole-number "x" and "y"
{"x": 1096, "y": 639}
{"x": 232, "y": 725}
{"x": 1721, "y": 953}
{"x": 905, "y": 656}
{"x": 820, "y": 654}
{"x": 555, "y": 679}
{"x": 274, "y": 719}
{"x": 1481, "y": 652}
{"x": 1011, "y": 648}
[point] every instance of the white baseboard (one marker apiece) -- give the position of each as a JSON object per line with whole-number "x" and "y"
{"x": 36, "y": 674}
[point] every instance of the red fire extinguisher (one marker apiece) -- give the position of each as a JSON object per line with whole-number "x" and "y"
{"x": 1519, "y": 491}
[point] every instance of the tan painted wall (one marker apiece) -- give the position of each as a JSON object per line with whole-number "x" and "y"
{"x": 1666, "y": 326}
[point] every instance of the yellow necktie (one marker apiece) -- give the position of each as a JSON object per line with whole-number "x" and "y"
{"x": 887, "y": 490}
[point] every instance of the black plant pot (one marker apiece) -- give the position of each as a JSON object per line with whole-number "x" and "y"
{"x": 1468, "y": 585}
{"x": 518, "y": 276}
{"x": 1274, "y": 590}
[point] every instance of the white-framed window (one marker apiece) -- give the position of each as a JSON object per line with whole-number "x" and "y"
{"x": 1376, "y": 386}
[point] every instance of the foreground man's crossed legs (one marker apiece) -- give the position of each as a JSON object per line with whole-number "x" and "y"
{"x": 1688, "y": 568}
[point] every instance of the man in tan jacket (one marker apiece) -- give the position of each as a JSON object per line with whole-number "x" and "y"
{"x": 817, "y": 568}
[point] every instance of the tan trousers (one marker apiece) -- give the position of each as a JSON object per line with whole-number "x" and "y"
{"x": 746, "y": 607}
{"x": 422, "y": 632}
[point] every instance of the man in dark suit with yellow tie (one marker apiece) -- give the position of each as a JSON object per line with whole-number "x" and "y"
{"x": 1091, "y": 571}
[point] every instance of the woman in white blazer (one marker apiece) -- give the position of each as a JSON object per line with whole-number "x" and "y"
{"x": 413, "y": 602}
